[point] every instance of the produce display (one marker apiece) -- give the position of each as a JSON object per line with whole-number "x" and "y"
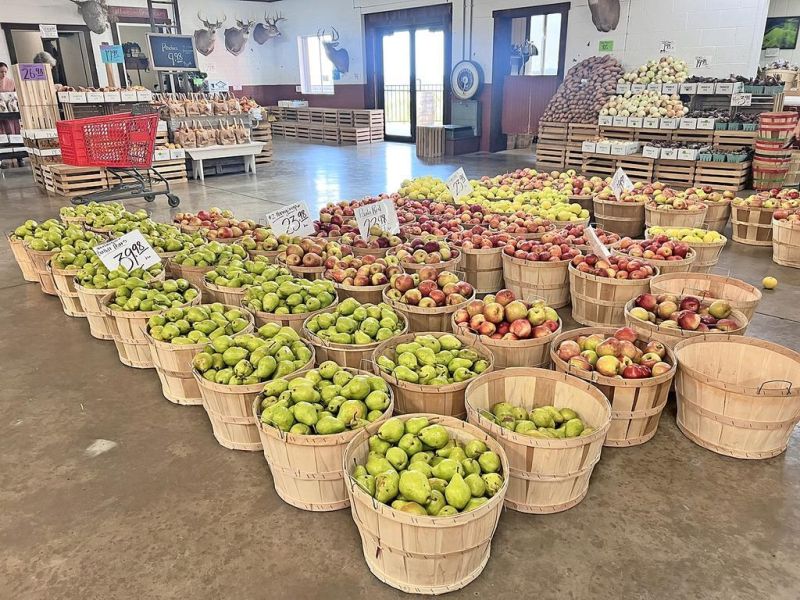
{"x": 527, "y": 179}
{"x": 787, "y": 216}
{"x": 665, "y": 202}
{"x": 418, "y": 468}
{"x": 216, "y": 223}
{"x": 707, "y": 194}
{"x": 262, "y": 239}
{"x": 211, "y": 254}
{"x": 687, "y": 312}
{"x": 519, "y": 224}
{"x": 196, "y": 324}
{"x": 248, "y": 359}
{"x": 324, "y": 401}
{"x": 658, "y": 248}
{"x": 422, "y": 251}
{"x": 119, "y": 223}
{"x": 429, "y": 289}
{"x": 424, "y": 188}
{"x": 666, "y": 69}
{"x": 621, "y": 355}
{"x": 287, "y": 295}
{"x": 377, "y": 239}
{"x": 644, "y": 104}
{"x": 362, "y": 271}
{"x": 52, "y": 235}
{"x": 576, "y": 235}
{"x": 774, "y": 198}
{"x": 94, "y": 275}
{"x": 162, "y": 237}
{"x": 429, "y": 360}
{"x": 479, "y": 238}
{"x": 354, "y": 323}
{"x": 584, "y": 90}
{"x": 540, "y": 251}
{"x": 84, "y": 210}
{"x": 248, "y": 273}
{"x": 70, "y": 258}
{"x": 156, "y": 295}
{"x": 685, "y": 234}
{"x": 310, "y": 252}
{"x": 541, "y": 422}
{"x": 614, "y": 267}
{"x": 431, "y": 226}
{"x": 502, "y": 316}
{"x": 641, "y": 192}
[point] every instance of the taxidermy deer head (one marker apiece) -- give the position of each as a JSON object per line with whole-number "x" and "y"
{"x": 264, "y": 32}
{"x": 204, "y": 38}
{"x": 605, "y": 14}
{"x": 338, "y": 56}
{"x": 236, "y": 37}
{"x": 94, "y": 13}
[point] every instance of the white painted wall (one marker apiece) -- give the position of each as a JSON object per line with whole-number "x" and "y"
{"x": 783, "y": 8}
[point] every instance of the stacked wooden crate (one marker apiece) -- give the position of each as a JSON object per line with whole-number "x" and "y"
{"x": 328, "y": 125}
{"x": 263, "y": 133}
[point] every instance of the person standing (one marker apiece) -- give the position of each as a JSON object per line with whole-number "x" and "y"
{"x": 8, "y": 126}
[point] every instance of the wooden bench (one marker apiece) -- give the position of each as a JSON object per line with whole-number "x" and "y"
{"x": 246, "y": 151}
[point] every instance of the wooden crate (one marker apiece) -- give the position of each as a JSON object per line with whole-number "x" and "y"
{"x": 330, "y": 134}
{"x": 430, "y": 141}
{"x": 316, "y": 115}
{"x": 304, "y": 115}
{"x": 793, "y": 176}
{"x": 289, "y": 114}
{"x": 578, "y": 132}
{"x": 354, "y": 135}
{"x": 376, "y": 135}
{"x": 574, "y": 155}
{"x": 618, "y": 133}
{"x": 549, "y": 155}
{"x": 687, "y": 136}
{"x": 302, "y": 131}
{"x": 677, "y": 173}
{"x": 344, "y": 117}
{"x": 653, "y": 135}
{"x": 38, "y": 175}
{"x": 315, "y": 131}
{"x": 264, "y": 157}
{"x": 600, "y": 165}
{"x": 72, "y": 181}
{"x": 279, "y": 128}
{"x": 553, "y": 132}
{"x": 637, "y": 168}
{"x": 732, "y": 140}
{"x": 368, "y": 118}
{"x": 723, "y": 176}
{"x": 290, "y": 130}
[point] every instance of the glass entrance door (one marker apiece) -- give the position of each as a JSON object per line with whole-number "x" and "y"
{"x": 396, "y": 71}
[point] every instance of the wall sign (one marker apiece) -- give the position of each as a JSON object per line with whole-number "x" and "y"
{"x": 606, "y": 46}
{"x": 130, "y": 251}
{"x": 48, "y": 32}
{"x": 382, "y": 214}
{"x": 172, "y": 52}
{"x": 667, "y": 47}
{"x": 702, "y": 62}
{"x": 291, "y": 220}
{"x": 111, "y": 54}
{"x": 32, "y": 72}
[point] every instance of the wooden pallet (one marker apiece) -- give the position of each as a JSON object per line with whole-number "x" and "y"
{"x": 376, "y": 135}
{"x": 578, "y": 132}
{"x": 618, "y": 133}
{"x": 303, "y": 131}
{"x": 304, "y": 115}
{"x": 315, "y": 131}
{"x": 574, "y": 155}
{"x": 344, "y": 118}
{"x": 38, "y": 175}
{"x": 278, "y": 128}
{"x": 264, "y": 157}
{"x": 324, "y": 115}
{"x": 173, "y": 170}
{"x": 289, "y": 114}
{"x": 330, "y": 134}
{"x": 550, "y": 155}
{"x": 430, "y": 141}
{"x": 677, "y": 173}
{"x": 72, "y": 181}
{"x": 653, "y": 135}
{"x": 731, "y": 140}
{"x": 638, "y": 168}
{"x": 689, "y": 136}
{"x": 723, "y": 176}
{"x": 553, "y": 132}
{"x": 355, "y": 135}
{"x": 290, "y": 129}
{"x": 368, "y": 118}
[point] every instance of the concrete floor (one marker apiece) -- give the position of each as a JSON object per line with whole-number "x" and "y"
{"x": 168, "y": 513}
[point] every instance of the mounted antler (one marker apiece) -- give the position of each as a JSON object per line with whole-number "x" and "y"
{"x": 278, "y": 18}
{"x": 334, "y": 35}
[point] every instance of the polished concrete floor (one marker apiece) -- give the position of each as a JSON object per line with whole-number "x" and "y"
{"x": 165, "y": 512}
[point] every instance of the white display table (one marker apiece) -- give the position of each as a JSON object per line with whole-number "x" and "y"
{"x": 246, "y": 151}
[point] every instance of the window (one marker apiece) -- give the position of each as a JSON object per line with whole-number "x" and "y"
{"x": 316, "y": 71}
{"x": 545, "y": 35}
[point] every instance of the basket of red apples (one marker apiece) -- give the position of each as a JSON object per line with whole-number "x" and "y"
{"x": 191, "y": 222}
{"x": 669, "y": 318}
{"x": 518, "y": 333}
{"x": 481, "y": 257}
{"x": 431, "y": 228}
{"x": 575, "y": 235}
{"x": 625, "y": 215}
{"x": 377, "y": 244}
{"x": 534, "y": 269}
{"x": 422, "y": 252}
{"x": 428, "y": 298}
{"x": 361, "y": 277}
{"x": 786, "y": 237}
{"x": 520, "y": 225}
{"x": 668, "y": 256}
{"x": 675, "y": 211}
{"x": 601, "y": 286}
{"x": 634, "y": 373}
{"x": 307, "y": 257}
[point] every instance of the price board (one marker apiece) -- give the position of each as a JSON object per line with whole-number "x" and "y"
{"x": 594, "y": 243}
{"x": 741, "y": 99}
{"x": 382, "y": 214}
{"x": 458, "y": 184}
{"x": 620, "y": 183}
{"x": 130, "y": 251}
{"x": 172, "y": 52}
{"x": 111, "y": 54}
{"x": 294, "y": 219}
{"x": 32, "y": 72}
{"x": 702, "y": 62}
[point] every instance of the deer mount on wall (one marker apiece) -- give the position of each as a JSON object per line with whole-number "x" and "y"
{"x": 236, "y": 37}
{"x": 338, "y": 56}
{"x": 605, "y": 14}
{"x": 204, "y": 39}
{"x": 94, "y": 13}
{"x": 267, "y": 30}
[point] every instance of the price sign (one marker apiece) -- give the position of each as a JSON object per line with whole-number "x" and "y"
{"x": 130, "y": 251}
{"x": 620, "y": 183}
{"x": 606, "y": 46}
{"x": 458, "y": 184}
{"x": 111, "y": 54}
{"x": 701, "y": 62}
{"x": 597, "y": 247}
{"x": 48, "y": 32}
{"x": 291, "y": 220}
{"x": 667, "y": 47}
{"x": 741, "y": 99}
{"x": 381, "y": 214}
{"x": 32, "y": 72}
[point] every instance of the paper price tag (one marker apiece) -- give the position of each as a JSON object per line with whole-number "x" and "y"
{"x": 130, "y": 251}
{"x": 741, "y": 99}
{"x": 594, "y": 243}
{"x": 701, "y": 62}
{"x": 32, "y": 72}
{"x": 667, "y": 47}
{"x": 111, "y": 54}
{"x": 620, "y": 183}
{"x": 458, "y": 184}
{"x": 382, "y": 214}
{"x": 291, "y": 220}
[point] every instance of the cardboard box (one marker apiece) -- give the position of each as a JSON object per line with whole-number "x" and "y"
{"x": 688, "y": 123}
{"x": 623, "y": 88}
{"x": 605, "y": 120}
{"x": 705, "y": 123}
{"x": 669, "y": 123}
{"x": 669, "y": 153}
{"x": 654, "y": 87}
{"x": 620, "y": 121}
{"x": 95, "y": 97}
{"x": 706, "y": 88}
{"x": 729, "y": 88}
{"x": 687, "y": 154}
{"x": 638, "y": 88}
{"x": 588, "y": 146}
{"x": 670, "y": 88}
{"x": 651, "y": 122}
{"x": 162, "y": 154}
{"x": 603, "y": 148}
{"x": 77, "y": 97}
{"x": 651, "y": 152}
{"x": 177, "y": 153}
{"x": 689, "y": 88}
{"x": 635, "y": 121}
{"x": 128, "y": 96}
{"x": 624, "y": 148}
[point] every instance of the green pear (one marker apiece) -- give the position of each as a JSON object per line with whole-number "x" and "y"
{"x": 437, "y": 484}
{"x": 367, "y": 483}
{"x": 305, "y": 413}
{"x": 457, "y": 454}
{"x": 470, "y": 466}
{"x": 414, "y": 486}
{"x": 447, "y": 511}
{"x": 524, "y": 426}
{"x": 377, "y": 400}
{"x": 568, "y": 414}
{"x": 422, "y": 467}
{"x": 457, "y": 492}
{"x": 474, "y": 448}
{"x": 425, "y": 457}
{"x": 392, "y": 430}
{"x": 445, "y": 450}
{"x": 300, "y": 429}
{"x": 476, "y": 485}
{"x": 436, "y": 503}
{"x": 397, "y": 457}
{"x": 429, "y": 342}
{"x": 520, "y": 414}
{"x": 573, "y": 428}
{"x": 446, "y": 469}
{"x": 416, "y": 424}
{"x": 414, "y": 509}
{"x": 374, "y": 415}
{"x": 475, "y": 503}
{"x": 493, "y": 481}
{"x": 386, "y": 486}
{"x": 502, "y": 408}
{"x": 449, "y": 342}
{"x": 489, "y": 462}
{"x": 328, "y": 425}
{"x": 378, "y": 445}
{"x": 410, "y": 444}
{"x": 434, "y": 436}
{"x": 351, "y": 410}
{"x": 282, "y": 418}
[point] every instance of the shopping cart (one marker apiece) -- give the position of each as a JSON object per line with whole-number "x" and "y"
{"x": 123, "y": 145}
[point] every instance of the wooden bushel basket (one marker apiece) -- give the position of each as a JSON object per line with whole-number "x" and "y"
{"x": 64, "y": 280}
{"x": 426, "y": 319}
{"x": 425, "y": 555}
{"x": 483, "y": 268}
{"x": 636, "y": 404}
{"x": 226, "y": 295}
{"x": 740, "y": 295}
{"x": 445, "y": 265}
{"x": 272, "y": 255}
{"x": 738, "y": 396}
{"x": 307, "y": 470}
{"x": 654, "y": 217}
{"x": 546, "y": 475}
{"x": 530, "y": 279}
{"x": 353, "y": 356}
{"x": 376, "y": 252}
{"x": 194, "y": 275}
{"x": 752, "y": 226}
{"x": 76, "y": 220}
{"x": 666, "y": 266}
{"x": 708, "y": 254}
{"x": 365, "y": 294}
{"x": 532, "y": 352}
{"x": 129, "y": 332}
{"x": 717, "y": 215}
{"x": 39, "y": 260}
{"x": 230, "y": 410}
{"x": 412, "y": 397}
{"x": 290, "y": 320}
{"x": 786, "y": 244}
{"x": 22, "y": 258}
{"x": 173, "y": 363}
{"x": 91, "y": 301}
{"x": 600, "y": 301}
{"x": 624, "y": 218}
{"x": 670, "y": 336}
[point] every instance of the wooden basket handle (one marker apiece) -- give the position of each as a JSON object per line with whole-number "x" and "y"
{"x": 788, "y": 383}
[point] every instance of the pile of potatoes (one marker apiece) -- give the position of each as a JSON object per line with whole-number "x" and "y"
{"x": 586, "y": 87}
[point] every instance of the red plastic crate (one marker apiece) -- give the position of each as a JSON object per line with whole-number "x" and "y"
{"x": 121, "y": 140}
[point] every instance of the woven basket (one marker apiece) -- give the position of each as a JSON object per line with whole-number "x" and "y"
{"x": 22, "y": 258}
{"x": 786, "y": 244}
{"x": 91, "y": 300}
{"x": 636, "y": 404}
{"x": 445, "y": 265}
{"x": 483, "y": 268}
{"x": 738, "y": 396}
{"x": 425, "y": 555}
{"x": 226, "y": 295}
{"x": 426, "y": 319}
{"x": 751, "y": 226}
{"x": 740, "y": 295}
{"x": 535, "y": 279}
{"x": 600, "y": 301}
{"x": 667, "y": 266}
{"x": 674, "y": 218}
{"x": 39, "y": 259}
{"x": 717, "y": 215}
{"x": 624, "y": 218}
{"x": 194, "y": 275}
{"x": 64, "y": 280}
{"x": 365, "y": 294}
{"x": 293, "y": 321}
{"x": 546, "y": 475}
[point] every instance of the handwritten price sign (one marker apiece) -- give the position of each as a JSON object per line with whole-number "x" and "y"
{"x": 741, "y": 99}
{"x": 111, "y": 54}
{"x": 701, "y": 62}
{"x": 382, "y": 214}
{"x": 597, "y": 247}
{"x": 667, "y": 47}
{"x": 291, "y": 220}
{"x": 32, "y": 72}
{"x": 131, "y": 251}
{"x": 458, "y": 184}
{"x": 620, "y": 183}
